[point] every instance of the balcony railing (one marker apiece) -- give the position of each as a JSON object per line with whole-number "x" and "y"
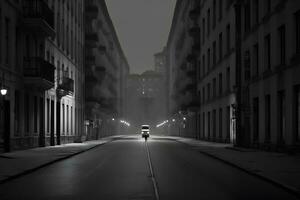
{"x": 67, "y": 86}
{"x": 38, "y": 71}
{"x": 194, "y": 31}
{"x": 194, "y": 14}
{"x": 91, "y": 11}
{"x": 90, "y": 60}
{"x": 38, "y": 16}
{"x": 93, "y": 37}
{"x": 190, "y": 58}
{"x": 102, "y": 49}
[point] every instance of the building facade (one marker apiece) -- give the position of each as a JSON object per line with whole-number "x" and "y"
{"x": 269, "y": 58}
{"x": 182, "y": 68}
{"x": 41, "y": 65}
{"x": 106, "y": 73}
{"x": 216, "y": 70}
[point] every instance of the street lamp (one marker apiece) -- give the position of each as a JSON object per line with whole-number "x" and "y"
{"x": 184, "y": 118}
{"x": 113, "y": 119}
{"x": 3, "y": 91}
{"x": 173, "y": 120}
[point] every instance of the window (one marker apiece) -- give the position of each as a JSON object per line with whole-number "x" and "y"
{"x": 214, "y": 54}
{"x": 63, "y": 118}
{"x": 214, "y": 124}
{"x": 297, "y": 112}
{"x": 228, "y": 78}
{"x": 17, "y": 112}
{"x": 228, "y": 123}
{"x": 220, "y": 9}
{"x": 7, "y": 40}
{"x": 247, "y": 65}
{"x": 267, "y": 118}
{"x": 67, "y": 121}
{"x": 267, "y": 55}
{"x": 0, "y": 35}
{"x": 255, "y": 119}
{"x": 247, "y": 16}
{"x": 203, "y": 124}
{"x": 220, "y": 84}
{"x": 203, "y": 30}
{"x": 214, "y": 87}
{"x": 48, "y": 116}
{"x": 208, "y": 59}
{"x": 281, "y": 35}
{"x": 255, "y": 12}
{"x": 220, "y": 122}
{"x": 203, "y": 64}
{"x": 26, "y": 113}
{"x": 208, "y": 125}
{"x": 35, "y": 113}
{"x": 208, "y": 91}
{"x": 203, "y": 94}
{"x": 220, "y": 46}
{"x": 208, "y": 22}
{"x": 297, "y": 28}
{"x": 228, "y": 37}
{"x": 255, "y": 62}
{"x": 267, "y": 6}
{"x": 281, "y": 116}
{"x": 214, "y": 13}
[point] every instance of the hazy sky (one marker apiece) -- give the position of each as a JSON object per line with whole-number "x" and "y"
{"x": 143, "y": 27}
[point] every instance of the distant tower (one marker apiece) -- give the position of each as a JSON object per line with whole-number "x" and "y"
{"x": 160, "y": 62}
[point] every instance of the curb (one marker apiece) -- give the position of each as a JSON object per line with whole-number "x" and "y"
{"x": 28, "y": 171}
{"x": 287, "y": 188}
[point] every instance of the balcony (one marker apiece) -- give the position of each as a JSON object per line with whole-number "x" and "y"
{"x": 196, "y": 48}
{"x": 91, "y": 80}
{"x": 191, "y": 73}
{"x": 195, "y": 13}
{"x": 38, "y": 73}
{"x": 191, "y": 58}
{"x": 38, "y": 18}
{"x": 193, "y": 105}
{"x": 194, "y": 31}
{"x": 91, "y": 40}
{"x": 90, "y": 60}
{"x": 66, "y": 87}
{"x": 91, "y": 11}
{"x": 102, "y": 49}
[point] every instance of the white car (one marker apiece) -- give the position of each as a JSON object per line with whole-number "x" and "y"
{"x": 145, "y": 131}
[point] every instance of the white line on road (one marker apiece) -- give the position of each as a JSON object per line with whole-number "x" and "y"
{"x": 152, "y": 173}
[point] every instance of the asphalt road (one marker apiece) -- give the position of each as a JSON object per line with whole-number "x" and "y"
{"x": 123, "y": 170}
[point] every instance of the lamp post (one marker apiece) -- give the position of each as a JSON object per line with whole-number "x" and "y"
{"x": 5, "y": 134}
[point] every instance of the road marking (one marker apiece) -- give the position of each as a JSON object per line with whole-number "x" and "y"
{"x": 152, "y": 173}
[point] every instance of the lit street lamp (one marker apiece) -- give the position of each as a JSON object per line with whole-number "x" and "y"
{"x": 3, "y": 91}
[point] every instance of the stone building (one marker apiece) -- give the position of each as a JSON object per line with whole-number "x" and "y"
{"x": 216, "y": 70}
{"x": 182, "y": 51}
{"x": 106, "y": 73}
{"x": 269, "y": 45}
{"x": 41, "y": 66}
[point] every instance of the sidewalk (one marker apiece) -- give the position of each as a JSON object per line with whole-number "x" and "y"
{"x": 278, "y": 168}
{"x": 14, "y": 164}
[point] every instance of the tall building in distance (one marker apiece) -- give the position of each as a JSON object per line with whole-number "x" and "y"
{"x": 42, "y": 67}
{"x": 160, "y": 62}
{"x": 146, "y": 99}
{"x": 106, "y": 73}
